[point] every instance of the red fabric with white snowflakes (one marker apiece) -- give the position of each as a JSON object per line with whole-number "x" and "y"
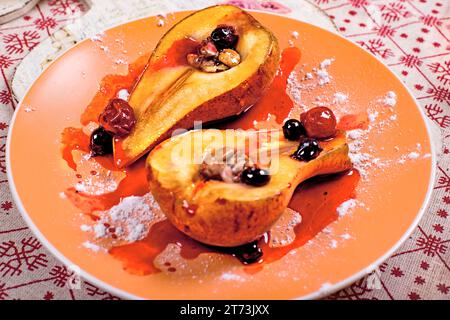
{"x": 411, "y": 36}
{"x": 27, "y": 269}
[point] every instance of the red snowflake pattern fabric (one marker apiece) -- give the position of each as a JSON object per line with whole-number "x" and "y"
{"x": 27, "y": 270}
{"x": 412, "y": 37}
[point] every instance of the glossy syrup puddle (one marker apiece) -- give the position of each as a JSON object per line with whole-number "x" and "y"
{"x": 316, "y": 200}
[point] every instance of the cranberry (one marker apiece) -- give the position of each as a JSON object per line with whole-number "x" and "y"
{"x": 308, "y": 150}
{"x": 101, "y": 142}
{"x": 249, "y": 253}
{"x": 118, "y": 118}
{"x": 225, "y": 37}
{"x": 293, "y": 129}
{"x": 254, "y": 176}
{"x": 319, "y": 123}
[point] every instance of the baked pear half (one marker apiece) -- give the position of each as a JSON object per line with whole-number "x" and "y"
{"x": 230, "y": 213}
{"x": 173, "y": 94}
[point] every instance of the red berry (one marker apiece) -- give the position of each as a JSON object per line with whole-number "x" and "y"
{"x": 118, "y": 118}
{"x": 319, "y": 123}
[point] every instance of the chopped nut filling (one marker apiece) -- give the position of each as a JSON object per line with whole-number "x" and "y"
{"x": 216, "y": 53}
{"x": 224, "y": 165}
{"x": 229, "y": 57}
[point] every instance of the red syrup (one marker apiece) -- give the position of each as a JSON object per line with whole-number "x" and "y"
{"x": 109, "y": 87}
{"x": 353, "y": 121}
{"x": 316, "y": 200}
{"x": 135, "y": 182}
{"x": 276, "y": 101}
{"x": 176, "y": 55}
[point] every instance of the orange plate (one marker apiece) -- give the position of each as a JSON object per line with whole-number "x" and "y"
{"x": 395, "y": 196}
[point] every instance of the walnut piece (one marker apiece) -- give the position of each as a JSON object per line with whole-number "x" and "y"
{"x": 224, "y": 165}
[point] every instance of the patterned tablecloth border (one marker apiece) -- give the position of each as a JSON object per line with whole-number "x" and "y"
{"x": 410, "y": 36}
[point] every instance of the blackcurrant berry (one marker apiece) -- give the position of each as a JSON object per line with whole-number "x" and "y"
{"x": 255, "y": 177}
{"x": 225, "y": 37}
{"x": 293, "y": 129}
{"x": 308, "y": 150}
{"x": 101, "y": 142}
{"x": 249, "y": 253}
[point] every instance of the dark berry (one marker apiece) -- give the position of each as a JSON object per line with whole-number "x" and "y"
{"x": 308, "y": 150}
{"x": 101, "y": 142}
{"x": 293, "y": 129}
{"x": 118, "y": 118}
{"x": 225, "y": 37}
{"x": 255, "y": 177}
{"x": 249, "y": 253}
{"x": 319, "y": 123}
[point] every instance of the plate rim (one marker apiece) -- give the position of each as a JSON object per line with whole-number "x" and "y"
{"x": 318, "y": 294}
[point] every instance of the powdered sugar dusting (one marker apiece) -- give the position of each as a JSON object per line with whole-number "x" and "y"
{"x": 356, "y": 134}
{"x": 324, "y": 77}
{"x": 92, "y": 246}
{"x": 85, "y": 228}
{"x": 282, "y": 233}
{"x": 29, "y": 109}
{"x": 92, "y": 178}
{"x": 120, "y": 61}
{"x": 137, "y": 231}
{"x": 129, "y": 221}
{"x": 345, "y": 207}
{"x": 326, "y": 63}
{"x": 333, "y": 244}
{"x": 346, "y": 236}
{"x": 231, "y": 276}
{"x": 340, "y": 98}
{"x": 293, "y": 87}
{"x": 133, "y": 215}
{"x": 361, "y": 160}
{"x": 390, "y": 99}
{"x": 322, "y": 73}
{"x": 413, "y": 155}
{"x": 100, "y": 230}
{"x": 373, "y": 116}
